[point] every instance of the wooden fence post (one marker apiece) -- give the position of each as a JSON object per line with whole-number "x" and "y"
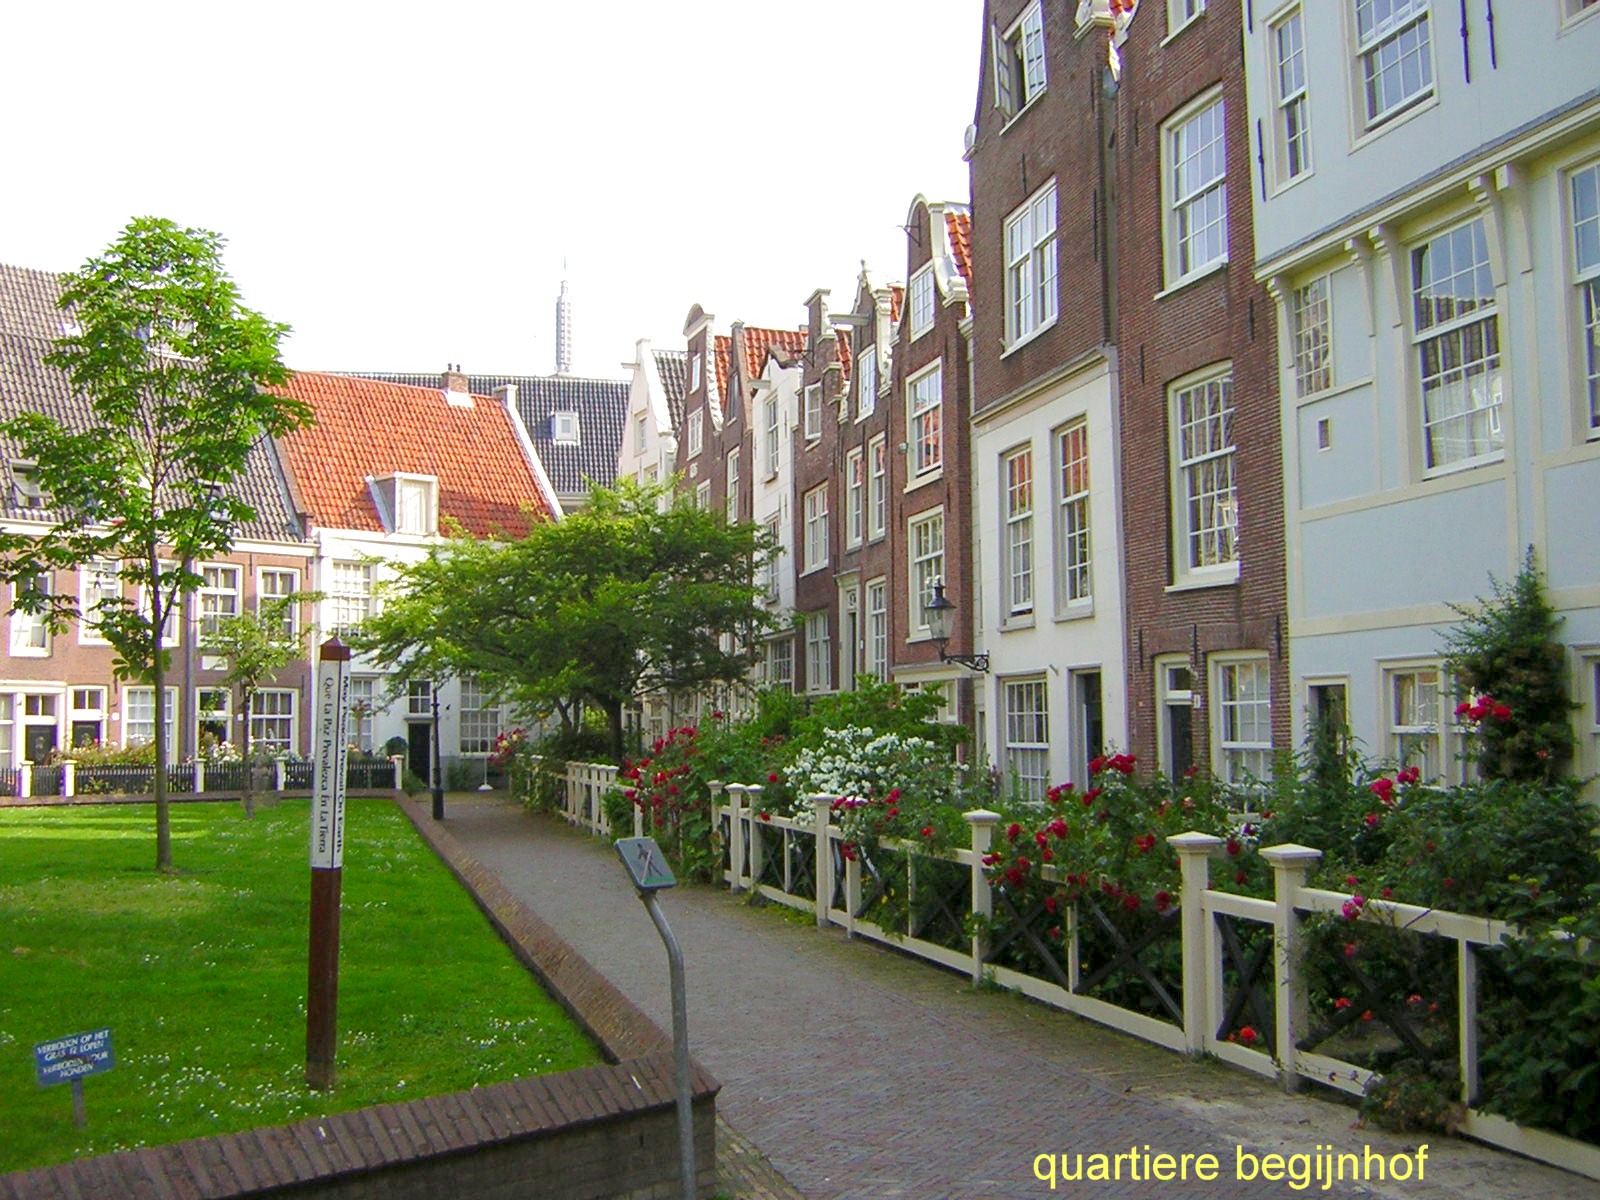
{"x": 753, "y": 864}
{"x": 25, "y": 779}
{"x": 735, "y": 793}
{"x": 1194, "y": 861}
{"x": 822, "y": 805}
{"x": 1290, "y": 866}
{"x": 69, "y": 777}
{"x": 982, "y": 822}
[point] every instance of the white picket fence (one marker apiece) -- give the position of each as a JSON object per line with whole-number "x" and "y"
{"x": 802, "y": 863}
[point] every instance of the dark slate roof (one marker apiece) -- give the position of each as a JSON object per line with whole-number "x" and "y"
{"x": 601, "y": 405}
{"x": 673, "y": 368}
{"x": 29, "y": 322}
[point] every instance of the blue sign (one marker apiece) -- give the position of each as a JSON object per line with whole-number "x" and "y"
{"x": 73, "y": 1057}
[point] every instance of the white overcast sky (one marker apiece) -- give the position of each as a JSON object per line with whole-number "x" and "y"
{"x": 400, "y": 183}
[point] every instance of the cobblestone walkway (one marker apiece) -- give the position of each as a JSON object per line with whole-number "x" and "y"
{"x": 865, "y": 1075}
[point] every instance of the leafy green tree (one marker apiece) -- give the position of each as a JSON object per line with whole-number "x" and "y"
{"x": 257, "y": 646}
{"x": 1506, "y": 648}
{"x": 636, "y": 593}
{"x": 172, "y": 368}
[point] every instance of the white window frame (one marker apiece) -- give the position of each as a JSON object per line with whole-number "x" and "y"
{"x": 877, "y": 628}
{"x": 221, "y": 595}
{"x": 694, "y": 371}
{"x": 1180, "y": 13}
{"x": 273, "y": 720}
{"x": 1583, "y": 196}
{"x": 855, "y": 496}
{"x": 30, "y": 632}
{"x": 849, "y": 636}
{"x": 1016, "y": 530}
{"x": 1410, "y": 722}
{"x": 416, "y": 505}
{"x": 1172, "y": 697}
{"x": 564, "y": 427}
{"x": 213, "y": 706}
{"x": 267, "y": 592}
{"x": 772, "y": 434}
{"x": 925, "y": 422}
{"x": 144, "y": 697}
{"x": 1205, "y": 493}
{"x": 1025, "y": 728}
{"x": 8, "y": 729}
{"x": 1074, "y": 539}
{"x": 702, "y": 495}
{"x": 364, "y": 689}
{"x": 1241, "y": 690}
{"x": 1031, "y": 282}
{"x": 1576, "y": 10}
{"x": 479, "y": 723}
{"x": 925, "y": 559}
{"x": 1195, "y": 202}
{"x": 730, "y": 497}
{"x": 780, "y": 663}
{"x": 350, "y": 594}
{"x": 813, "y": 412}
{"x": 819, "y": 653}
{"x": 99, "y": 580}
{"x": 774, "y": 561}
{"x": 419, "y": 698}
{"x": 866, "y": 382}
{"x": 1291, "y": 98}
{"x": 639, "y": 438}
{"x": 1449, "y": 338}
{"x": 877, "y": 487}
{"x": 919, "y": 301}
{"x": 697, "y": 431}
{"x": 1382, "y": 45}
{"x": 815, "y": 525}
{"x": 1311, "y": 336}
{"x": 83, "y": 704}
{"x": 1019, "y": 62}
{"x": 1589, "y": 673}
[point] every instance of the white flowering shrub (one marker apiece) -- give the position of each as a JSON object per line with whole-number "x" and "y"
{"x": 862, "y": 764}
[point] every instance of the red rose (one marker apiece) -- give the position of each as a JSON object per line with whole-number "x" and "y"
{"x": 1342, "y": 1002}
{"x": 927, "y": 831}
{"x": 1500, "y": 712}
{"x": 772, "y": 777}
{"x": 1248, "y": 1035}
{"x": 765, "y": 816}
{"x": 1013, "y": 831}
{"x": 1163, "y": 901}
{"x": 1050, "y": 904}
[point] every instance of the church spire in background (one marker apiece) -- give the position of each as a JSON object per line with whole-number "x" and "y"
{"x": 563, "y": 327}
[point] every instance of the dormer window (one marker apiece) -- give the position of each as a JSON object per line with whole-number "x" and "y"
{"x": 26, "y": 491}
{"x": 564, "y": 428}
{"x": 408, "y": 503}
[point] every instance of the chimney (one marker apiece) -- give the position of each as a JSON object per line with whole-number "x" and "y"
{"x": 453, "y": 383}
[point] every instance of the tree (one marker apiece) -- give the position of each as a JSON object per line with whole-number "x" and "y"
{"x": 172, "y": 369}
{"x": 257, "y": 646}
{"x": 629, "y": 595}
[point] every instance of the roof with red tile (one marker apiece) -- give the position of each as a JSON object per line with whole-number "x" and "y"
{"x": 366, "y": 428}
{"x": 897, "y": 295}
{"x": 958, "y": 227}
{"x": 787, "y": 343}
{"x": 723, "y": 353}
{"x": 842, "y": 340}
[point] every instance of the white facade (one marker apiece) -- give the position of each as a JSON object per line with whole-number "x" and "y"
{"x": 650, "y": 441}
{"x": 1428, "y": 222}
{"x": 1048, "y": 560}
{"x": 774, "y": 411}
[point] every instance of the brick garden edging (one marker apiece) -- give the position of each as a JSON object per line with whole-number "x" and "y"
{"x": 597, "y": 1133}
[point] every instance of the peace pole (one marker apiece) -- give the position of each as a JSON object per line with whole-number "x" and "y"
{"x": 327, "y": 859}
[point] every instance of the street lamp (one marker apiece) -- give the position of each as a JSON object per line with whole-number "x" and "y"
{"x": 940, "y": 610}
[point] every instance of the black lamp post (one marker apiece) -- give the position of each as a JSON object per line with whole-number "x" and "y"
{"x": 438, "y": 767}
{"x": 941, "y": 611}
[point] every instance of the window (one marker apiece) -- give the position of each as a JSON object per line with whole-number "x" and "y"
{"x": 86, "y": 716}
{"x": 139, "y": 715}
{"x": 1328, "y": 714}
{"x": 1591, "y": 685}
{"x": 1074, "y": 584}
{"x": 1244, "y": 721}
{"x": 1197, "y": 191}
{"x": 771, "y": 433}
{"x": 1292, "y": 123}
{"x": 1019, "y": 62}
{"x": 213, "y": 717}
{"x": 480, "y": 721}
{"x": 98, "y": 585}
{"x": 419, "y": 698}
{"x": 730, "y": 503}
{"x": 26, "y": 491}
{"x": 819, "y": 654}
{"x": 1311, "y": 325}
{"x": 702, "y": 494}
{"x": 1394, "y": 56}
{"x": 1586, "y": 248}
{"x": 878, "y": 629}
{"x": 219, "y": 597}
{"x": 813, "y": 412}
{"x": 1174, "y": 716}
{"x": 697, "y": 431}
{"x": 920, "y": 301}
{"x": 855, "y": 489}
{"x": 1204, "y": 524}
{"x": 694, "y": 371}
{"x": 816, "y": 528}
{"x": 7, "y": 729}
{"x": 350, "y": 600}
{"x": 1575, "y": 8}
{"x": 925, "y": 536}
{"x": 564, "y": 428}
{"x": 924, "y": 400}
{"x": 274, "y": 586}
{"x": 363, "y": 705}
{"x": 1088, "y": 721}
{"x": 780, "y": 663}
{"x": 1181, "y": 12}
{"x": 144, "y": 607}
{"x": 1416, "y": 738}
{"x": 877, "y": 487}
{"x": 1027, "y": 744}
{"x": 272, "y": 721}
{"x": 774, "y": 560}
{"x": 30, "y": 631}
{"x": 1030, "y": 242}
{"x": 866, "y": 382}
{"x": 414, "y": 508}
{"x": 1458, "y": 347}
{"x": 638, "y": 433}
{"x": 1016, "y": 536}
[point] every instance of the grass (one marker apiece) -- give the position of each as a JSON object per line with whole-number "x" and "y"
{"x": 201, "y": 976}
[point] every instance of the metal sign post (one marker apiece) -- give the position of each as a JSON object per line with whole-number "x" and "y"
{"x": 648, "y": 869}
{"x": 69, "y": 1059}
{"x": 327, "y": 860}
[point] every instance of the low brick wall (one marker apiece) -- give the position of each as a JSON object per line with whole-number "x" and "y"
{"x": 598, "y": 1133}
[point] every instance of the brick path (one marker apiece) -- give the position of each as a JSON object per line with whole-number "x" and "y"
{"x": 866, "y": 1075}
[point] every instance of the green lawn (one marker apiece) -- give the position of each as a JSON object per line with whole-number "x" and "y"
{"x": 201, "y": 977}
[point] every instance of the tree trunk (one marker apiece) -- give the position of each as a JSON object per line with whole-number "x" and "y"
{"x": 249, "y": 767}
{"x": 613, "y": 711}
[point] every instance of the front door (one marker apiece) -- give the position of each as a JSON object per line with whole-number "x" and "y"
{"x": 419, "y": 750}
{"x": 39, "y": 742}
